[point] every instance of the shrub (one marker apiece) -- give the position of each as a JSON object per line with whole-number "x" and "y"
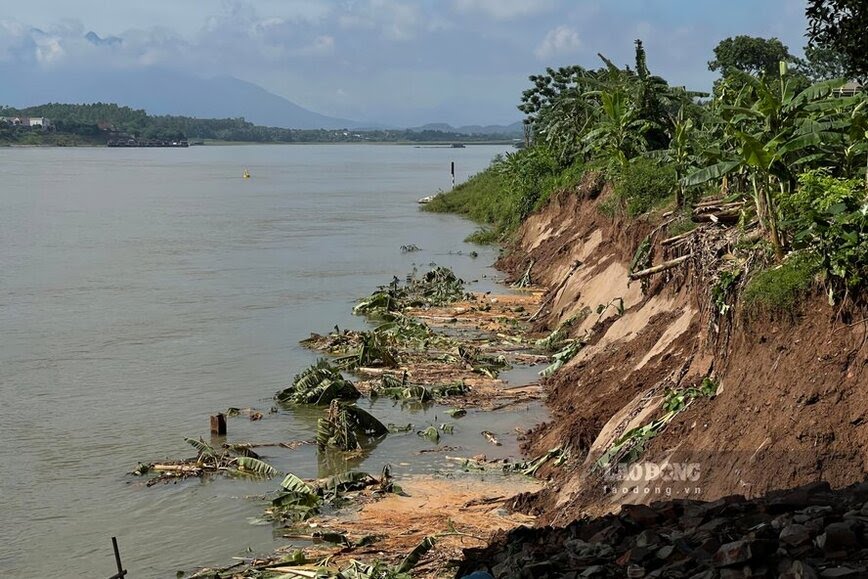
{"x": 827, "y": 218}
{"x": 778, "y": 290}
{"x": 643, "y": 184}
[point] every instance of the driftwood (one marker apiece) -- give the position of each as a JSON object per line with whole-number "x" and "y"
{"x": 717, "y": 208}
{"x": 180, "y": 468}
{"x": 677, "y": 238}
{"x": 727, "y": 216}
{"x": 489, "y": 436}
{"x": 662, "y": 267}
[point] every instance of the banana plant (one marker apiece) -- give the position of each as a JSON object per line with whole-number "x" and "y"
{"x": 618, "y": 133}
{"x": 772, "y": 130}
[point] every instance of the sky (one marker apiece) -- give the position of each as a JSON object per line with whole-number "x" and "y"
{"x": 399, "y": 62}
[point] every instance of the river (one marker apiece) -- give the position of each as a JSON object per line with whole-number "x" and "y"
{"x": 142, "y": 290}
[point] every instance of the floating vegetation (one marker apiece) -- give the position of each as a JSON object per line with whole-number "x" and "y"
{"x": 391, "y": 387}
{"x": 295, "y": 565}
{"x": 347, "y": 427}
{"x": 437, "y": 287}
{"x": 298, "y": 500}
{"x": 490, "y": 366}
{"x": 319, "y": 384}
{"x": 410, "y": 248}
{"x": 431, "y": 433}
{"x": 208, "y": 460}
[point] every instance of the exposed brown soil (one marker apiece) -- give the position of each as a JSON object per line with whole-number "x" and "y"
{"x": 791, "y": 405}
{"x": 471, "y": 507}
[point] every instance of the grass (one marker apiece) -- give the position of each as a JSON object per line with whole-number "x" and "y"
{"x": 501, "y": 200}
{"x": 777, "y": 291}
{"x": 480, "y": 198}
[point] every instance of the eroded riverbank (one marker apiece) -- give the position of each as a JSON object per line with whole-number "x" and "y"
{"x": 431, "y": 352}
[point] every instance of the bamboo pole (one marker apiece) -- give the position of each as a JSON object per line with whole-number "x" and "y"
{"x": 662, "y": 267}
{"x": 677, "y": 238}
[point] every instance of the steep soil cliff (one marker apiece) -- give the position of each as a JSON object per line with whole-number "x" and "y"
{"x": 789, "y": 397}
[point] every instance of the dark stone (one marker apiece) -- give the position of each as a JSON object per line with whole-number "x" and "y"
{"x": 647, "y": 538}
{"x": 739, "y": 552}
{"x": 837, "y": 538}
{"x": 843, "y": 573}
{"x": 642, "y": 515}
{"x": 795, "y": 535}
{"x": 799, "y": 570}
{"x": 663, "y": 553}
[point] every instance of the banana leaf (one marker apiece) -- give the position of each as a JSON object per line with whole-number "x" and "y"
{"x": 710, "y": 173}
{"x": 422, "y": 549}
{"x": 255, "y": 466}
{"x": 319, "y": 384}
{"x": 294, "y": 484}
{"x": 431, "y": 433}
{"x": 348, "y": 481}
{"x": 205, "y": 450}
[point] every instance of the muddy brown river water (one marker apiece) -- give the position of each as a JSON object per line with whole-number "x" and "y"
{"x": 143, "y": 290}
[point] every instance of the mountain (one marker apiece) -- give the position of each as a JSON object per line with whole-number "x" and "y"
{"x": 514, "y": 129}
{"x": 161, "y": 92}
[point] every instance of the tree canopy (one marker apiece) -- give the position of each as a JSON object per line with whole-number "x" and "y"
{"x": 841, "y": 25}
{"x": 749, "y": 54}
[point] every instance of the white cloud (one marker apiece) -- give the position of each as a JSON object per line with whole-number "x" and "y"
{"x": 503, "y": 9}
{"x": 559, "y": 41}
{"x": 321, "y": 46}
{"x": 395, "y": 20}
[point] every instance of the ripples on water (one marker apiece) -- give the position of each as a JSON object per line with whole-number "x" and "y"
{"x": 143, "y": 290}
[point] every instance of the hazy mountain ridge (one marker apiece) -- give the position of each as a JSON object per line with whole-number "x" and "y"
{"x": 514, "y": 129}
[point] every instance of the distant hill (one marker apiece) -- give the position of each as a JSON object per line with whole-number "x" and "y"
{"x": 515, "y": 129}
{"x": 162, "y": 92}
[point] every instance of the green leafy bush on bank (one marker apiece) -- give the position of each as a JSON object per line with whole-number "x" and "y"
{"x": 778, "y": 290}
{"x": 644, "y": 184}
{"x": 827, "y": 218}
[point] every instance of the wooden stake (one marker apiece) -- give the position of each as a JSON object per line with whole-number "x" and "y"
{"x": 218, "y": 425}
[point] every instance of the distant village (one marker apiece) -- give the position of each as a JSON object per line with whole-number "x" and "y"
{"x": 27, "y": 121}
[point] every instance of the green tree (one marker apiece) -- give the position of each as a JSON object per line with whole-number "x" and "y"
{"x": 824, "y": 63}
{"x": 841, "y": 25}
{"x": 750, "y": 54}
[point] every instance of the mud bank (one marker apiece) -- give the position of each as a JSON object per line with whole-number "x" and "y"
{"x": 786, "y": 404}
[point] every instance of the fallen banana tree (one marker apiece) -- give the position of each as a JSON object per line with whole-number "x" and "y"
{"x": 298, "y": 500}
{"x": 319, "y": 384}
{"x": 481, "y": 363}
{"x": 347, "y": 427}
{"x": 295, "y": 565}
{"x": 209, "y": 460}
{"x": 392, "y": 387}
{"x": 437, "y": 287}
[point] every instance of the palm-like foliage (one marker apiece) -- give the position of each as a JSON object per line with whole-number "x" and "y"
{"x": 773, "y": 133}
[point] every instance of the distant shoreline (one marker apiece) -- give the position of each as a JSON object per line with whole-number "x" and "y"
{"x": 215, "y": 143}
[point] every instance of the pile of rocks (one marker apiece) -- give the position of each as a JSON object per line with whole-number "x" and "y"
{"x": 809, "y": 532}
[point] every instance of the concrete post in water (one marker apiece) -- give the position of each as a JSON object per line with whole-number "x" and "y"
{"x": 218, "y": 425}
